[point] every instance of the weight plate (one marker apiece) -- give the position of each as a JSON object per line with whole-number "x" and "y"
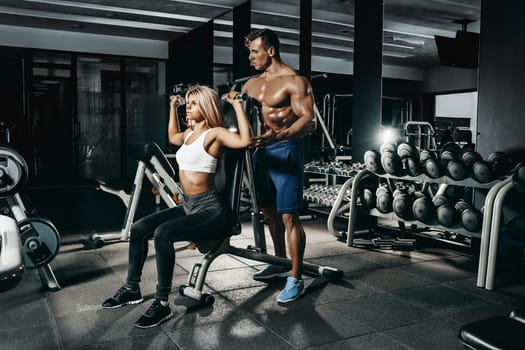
{"x": 13, "y": 171}
{"x": 40, "y": 241}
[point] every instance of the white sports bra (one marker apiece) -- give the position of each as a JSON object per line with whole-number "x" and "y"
{"x": 194, "y": 157}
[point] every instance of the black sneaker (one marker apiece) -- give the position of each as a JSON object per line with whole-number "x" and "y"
{"x": 155, "y": 315}
{"x": 123, "y": 296}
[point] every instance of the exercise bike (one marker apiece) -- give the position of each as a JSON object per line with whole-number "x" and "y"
{"x": 26, "y": 241}
{"x": 157, "y": 169}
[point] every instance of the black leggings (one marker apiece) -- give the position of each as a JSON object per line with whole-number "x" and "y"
{"x": 201, "y": 217}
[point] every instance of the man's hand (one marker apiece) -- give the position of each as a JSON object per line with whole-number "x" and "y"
{"x": 269, "y": 137}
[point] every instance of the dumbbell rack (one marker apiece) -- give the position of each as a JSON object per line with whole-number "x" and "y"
{"x": 329, "y": 197}
{"x": 496, "y": 189}
{"x": 420, "y": 178}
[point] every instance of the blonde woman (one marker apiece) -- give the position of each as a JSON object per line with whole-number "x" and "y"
{"x": 202, "y": 216}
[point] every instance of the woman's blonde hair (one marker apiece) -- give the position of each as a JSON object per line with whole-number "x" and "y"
{"x": 209, "y": 103}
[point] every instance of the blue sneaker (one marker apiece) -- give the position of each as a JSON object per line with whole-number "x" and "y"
{"x": 293, "y": 289}
{"x": 271, "y": 271}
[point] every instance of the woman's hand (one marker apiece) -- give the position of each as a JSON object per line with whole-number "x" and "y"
{"x": 176, "y": 101}
{"x": 232, "y": 97}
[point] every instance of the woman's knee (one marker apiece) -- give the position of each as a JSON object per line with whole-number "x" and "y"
{"x": 162, "y": 235}
{"x": 137, "y": 235}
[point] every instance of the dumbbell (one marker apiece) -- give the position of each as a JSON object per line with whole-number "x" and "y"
{"x": 446, "y": 215}
{"x": 373, "y": 162}
{"x": 368, "y": 198}
{"x": 440, "y": 199}
{"x": 387, "y": 146}
{"x": 391, "y": 163}
{"x": 384, "y": 199}
{"x": 471, "y": 218}
{"x": 430, "y": 164}
{"x": 402, "y": 203}
{"x": 501, "y": 163}
{"x": 447, "y": 156}
{"x": 422, "y": 208}
{"x": 451, "y": 147}
{"x": 468, "y": 147}
{"x": 482, "y": 171}
{"x": 469, "y": 158}
{"x": 409, "y": 158}
{"x": 456, "y": 170}
{"x": 519, "y": 173}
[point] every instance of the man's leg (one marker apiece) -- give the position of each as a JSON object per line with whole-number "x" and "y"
{"x": 276, "y": 228}
{"x": 296, "y": 237}
{"x": 296, "y": 242}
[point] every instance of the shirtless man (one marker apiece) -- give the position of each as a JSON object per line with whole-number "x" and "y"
{"x": 286, "y": 114}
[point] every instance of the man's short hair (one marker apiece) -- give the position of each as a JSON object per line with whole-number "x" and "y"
{"x": 268, "y": 39}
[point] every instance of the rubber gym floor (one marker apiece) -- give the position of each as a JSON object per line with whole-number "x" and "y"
{"x": 388, "y": 299}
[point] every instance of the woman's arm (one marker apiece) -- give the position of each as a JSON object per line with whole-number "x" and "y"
{"x": 175, "y": 136}
{"x": 243, "y": 138}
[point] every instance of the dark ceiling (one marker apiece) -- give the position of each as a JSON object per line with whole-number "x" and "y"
{"x": 409, "y": 25}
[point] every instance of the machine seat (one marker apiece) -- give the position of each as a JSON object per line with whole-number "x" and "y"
{"x": 495, "y": 333}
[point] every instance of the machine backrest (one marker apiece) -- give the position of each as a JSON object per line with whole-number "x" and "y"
{"x": 228, "y": 182}
{"x": 152, "y": 149}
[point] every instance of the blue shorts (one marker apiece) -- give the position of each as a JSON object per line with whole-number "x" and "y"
{"x": 279, "y": 174}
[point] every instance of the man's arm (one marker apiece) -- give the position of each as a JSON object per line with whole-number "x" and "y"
{"x": 302, "y": 103}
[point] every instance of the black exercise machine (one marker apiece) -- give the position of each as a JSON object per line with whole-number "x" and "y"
{"x": 495, "y": 333}
{"x": 232, "y": 166}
